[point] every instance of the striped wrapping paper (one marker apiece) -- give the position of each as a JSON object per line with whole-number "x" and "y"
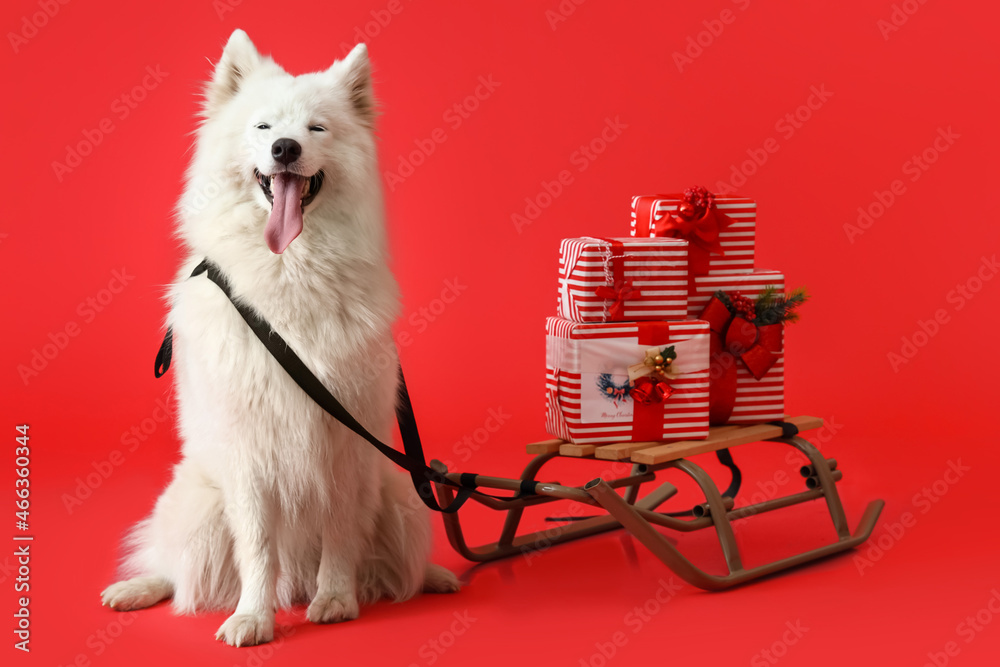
{"x": 656, "y": 268}
{"x": 577, "y": 354}
{"x": 756, "y": 400}
{"x": 737, "y": 240}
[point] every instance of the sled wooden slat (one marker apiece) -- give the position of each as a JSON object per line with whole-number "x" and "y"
{"x": 573, "y": 449}
{"x": 620, "y": 451}
{"x": 716, "y": 440}
{"x": 544, "y": 447}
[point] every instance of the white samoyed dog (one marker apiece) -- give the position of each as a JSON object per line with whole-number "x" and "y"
{"x": 274, "y": 502}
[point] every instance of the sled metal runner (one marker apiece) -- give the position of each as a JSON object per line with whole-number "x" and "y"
{"x": 639, "y": 516}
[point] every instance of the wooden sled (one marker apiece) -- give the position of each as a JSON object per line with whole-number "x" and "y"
{"x": 639, "y": 516}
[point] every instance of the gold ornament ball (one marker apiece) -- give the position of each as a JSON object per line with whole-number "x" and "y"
{"x": 609, "y": 390}
{"x": 658, "y": 359}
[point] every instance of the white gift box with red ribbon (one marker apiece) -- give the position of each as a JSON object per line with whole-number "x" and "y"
{"x": 593, "y": 396}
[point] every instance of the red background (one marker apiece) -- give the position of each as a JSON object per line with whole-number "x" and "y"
{"x": 892, "y": 90}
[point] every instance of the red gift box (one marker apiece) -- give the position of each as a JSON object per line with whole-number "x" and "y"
{"x": 748, "y": 378}
{"x": 598, "y": 390}
{"x": 625, "y": 279}
{"x": 721, "y": 229}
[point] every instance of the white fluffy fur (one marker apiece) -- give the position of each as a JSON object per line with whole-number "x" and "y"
{"x": 274, "y": 502}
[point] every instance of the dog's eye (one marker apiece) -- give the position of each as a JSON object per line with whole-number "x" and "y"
{"x": 262, "y": 126}
{"x": 317, "y": 128}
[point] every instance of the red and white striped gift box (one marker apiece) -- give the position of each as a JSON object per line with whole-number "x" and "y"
{"x": 654, "y": 272}
{"x": 737, "y": 240}
{"x": 756, "y": 400}
{"x": 581, "y": 409}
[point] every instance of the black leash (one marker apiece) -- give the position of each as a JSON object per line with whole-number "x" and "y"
{"x": 411, "y": 459}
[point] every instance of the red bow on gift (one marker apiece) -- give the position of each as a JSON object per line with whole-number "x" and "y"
{"x": 617, "y": 294}
{"x": 734, "y": 337}
{"x": 698, "y": 221}
{"x": 618, "y": 393}
{"x": 620, "y": 288}
{"x": 648, "y": 390}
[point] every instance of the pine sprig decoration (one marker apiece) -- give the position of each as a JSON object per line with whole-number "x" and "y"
{"x": 773, "y": 307}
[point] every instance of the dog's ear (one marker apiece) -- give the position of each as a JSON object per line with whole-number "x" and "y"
{"x": 357, "y": 79}
{"x": 239, "y": 58}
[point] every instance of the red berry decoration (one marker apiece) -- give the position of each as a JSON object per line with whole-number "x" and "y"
{"x": 744, "y": 307}
{"x": 695, "y": 203}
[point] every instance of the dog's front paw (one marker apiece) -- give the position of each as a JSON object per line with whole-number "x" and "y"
{"x": 333, "y": 608}
{"x": 247, "y": 629}
{"x": 440, "y": 580}
{"x": 137, "y": 593}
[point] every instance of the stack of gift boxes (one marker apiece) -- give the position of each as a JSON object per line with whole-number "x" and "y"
{"x": 657, "y": 335}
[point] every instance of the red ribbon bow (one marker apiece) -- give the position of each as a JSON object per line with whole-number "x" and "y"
{"x": 620, "y": 288}
{"x": 648, "y": 390}
{"x": 736, "y": 338}
{"x": 698, "y": 221}
{"x": 618, "y": 393}
{"x": 617, "y": 294}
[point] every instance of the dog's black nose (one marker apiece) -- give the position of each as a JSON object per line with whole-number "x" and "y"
{"x": 286, "y": 151}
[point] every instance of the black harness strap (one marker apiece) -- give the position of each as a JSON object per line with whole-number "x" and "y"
{"x": 411, "y": 459}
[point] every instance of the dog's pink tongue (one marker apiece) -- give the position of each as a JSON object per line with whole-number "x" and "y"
{"x": 285, "y": 221}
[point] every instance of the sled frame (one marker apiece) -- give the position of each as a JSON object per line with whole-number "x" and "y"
{"x": 640, "y": 516}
